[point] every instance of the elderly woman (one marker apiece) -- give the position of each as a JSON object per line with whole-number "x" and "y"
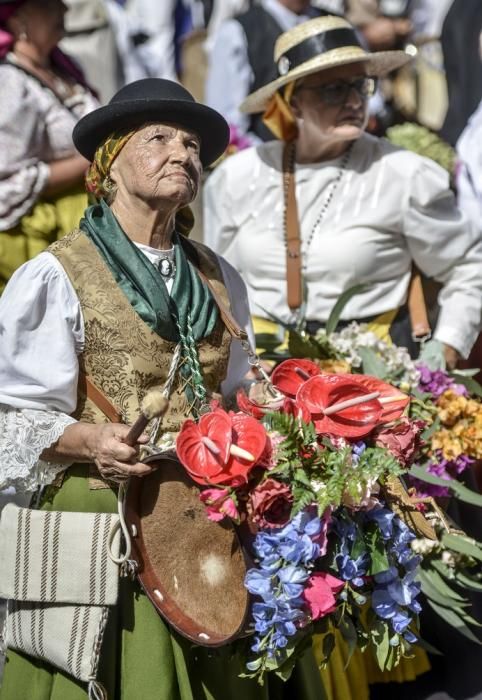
{"x": 328, "y": 206}
{"x": 43, "y": 94}
{"x": 106, "y": 307}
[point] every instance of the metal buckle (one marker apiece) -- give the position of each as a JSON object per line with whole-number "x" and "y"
{"x": 421, "y": 338}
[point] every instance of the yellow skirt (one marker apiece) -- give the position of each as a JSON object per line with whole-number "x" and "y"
{"x": 352, "y": 682}
{"x": 49, "y": 220}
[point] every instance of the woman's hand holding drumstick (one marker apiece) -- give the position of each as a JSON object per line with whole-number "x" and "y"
{"x": 112, "y": 447}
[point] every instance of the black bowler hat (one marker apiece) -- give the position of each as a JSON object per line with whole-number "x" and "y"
{"x": 153, "y": 100}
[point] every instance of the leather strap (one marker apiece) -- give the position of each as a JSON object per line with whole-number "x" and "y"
{"x": 417, "y": 308}
{"x": 89, "y": 389}
{"x": 292, "y": 232}
{"x": 234, "y": 330}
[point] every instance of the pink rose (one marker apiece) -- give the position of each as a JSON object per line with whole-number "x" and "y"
{"x": 270, "y": 504}
{"x": 219, "y": 504}
{"x": 320, "y": 594}
{"x": 402, "y": 439}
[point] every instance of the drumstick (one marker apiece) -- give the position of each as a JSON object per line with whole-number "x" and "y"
{"x": 154, "y": 404}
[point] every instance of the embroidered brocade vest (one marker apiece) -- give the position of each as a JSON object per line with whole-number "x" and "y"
{"x": 122, "y": 356}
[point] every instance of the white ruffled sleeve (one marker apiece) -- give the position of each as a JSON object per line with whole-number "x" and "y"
{"x": 238, "y": 364}
{"x": 41, "y": 335}
{"x": 24, "y": 435}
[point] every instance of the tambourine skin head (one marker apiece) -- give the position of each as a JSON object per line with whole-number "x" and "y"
{"x": 191, "y": 568}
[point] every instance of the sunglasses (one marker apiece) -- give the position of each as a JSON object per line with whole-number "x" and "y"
{"x": 337, "y": 93}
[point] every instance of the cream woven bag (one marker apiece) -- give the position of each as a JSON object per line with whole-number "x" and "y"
{"x": 59, "y": 582}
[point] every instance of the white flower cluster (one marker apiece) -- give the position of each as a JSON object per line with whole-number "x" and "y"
{"x": 398, "y": 362}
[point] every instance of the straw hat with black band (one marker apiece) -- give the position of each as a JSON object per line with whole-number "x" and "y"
{"x": 316, "y": 45}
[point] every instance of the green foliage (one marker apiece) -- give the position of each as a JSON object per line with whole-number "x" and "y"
{"x": 372, "y": 364}
{"x": 340, "y": 304}
{"x": 459, "y": 490}
{"x": 421, "y": 140}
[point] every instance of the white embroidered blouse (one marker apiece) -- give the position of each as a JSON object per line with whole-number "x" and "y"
{"x": 35, "y": 129}
{"x": 41, "y": 337}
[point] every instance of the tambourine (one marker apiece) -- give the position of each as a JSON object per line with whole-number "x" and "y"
{"x": 191, "y": 568}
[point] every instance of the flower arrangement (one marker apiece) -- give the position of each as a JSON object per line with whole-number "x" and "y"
{"x": 313, "y": 462}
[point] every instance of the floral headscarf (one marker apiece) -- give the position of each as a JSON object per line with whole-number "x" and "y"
{"x": 98, "y": 183}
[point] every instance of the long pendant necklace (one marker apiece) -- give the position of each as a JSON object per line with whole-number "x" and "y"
{"x": 329, "y": 197}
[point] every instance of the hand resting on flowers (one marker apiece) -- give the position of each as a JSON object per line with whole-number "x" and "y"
{"x": 104, "y": 445}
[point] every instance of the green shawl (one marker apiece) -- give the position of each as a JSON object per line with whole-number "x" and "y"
{"x": 187, "y": 315}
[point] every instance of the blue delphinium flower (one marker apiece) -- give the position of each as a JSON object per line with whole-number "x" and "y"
{"x": 285, "y": 557}
{"x": 394, "y": 597}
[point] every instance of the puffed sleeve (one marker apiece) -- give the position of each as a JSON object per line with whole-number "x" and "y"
{"x": 238, "y": 364}
{"x": 23, "y": 175}
{"x": 41, "y": 334}
{"x": 448, "y": 248}
{"x": 219, "y": 225}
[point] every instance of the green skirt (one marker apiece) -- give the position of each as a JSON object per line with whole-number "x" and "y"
{"x": 142, "y": 659}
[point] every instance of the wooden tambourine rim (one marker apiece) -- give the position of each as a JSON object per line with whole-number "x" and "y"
{"x": 152, "y": 585}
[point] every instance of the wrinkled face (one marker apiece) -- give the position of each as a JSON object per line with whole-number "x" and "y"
{"x": 42, "y": 22}
{"x": 317, "y": 106}
{"x": 160, "y": 163}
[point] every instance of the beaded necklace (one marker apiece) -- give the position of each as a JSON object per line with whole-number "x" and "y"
{"x": 329, "y": 197}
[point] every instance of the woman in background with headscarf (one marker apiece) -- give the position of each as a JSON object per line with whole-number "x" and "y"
{"x": 43, "y": 95}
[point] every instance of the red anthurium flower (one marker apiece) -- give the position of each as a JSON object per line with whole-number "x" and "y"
{"x": 320, "y": 393}
{"x": 254, "y": 408}
{"x": 291, "y": 374}
{"x": 392, "y": 410}
{"x": 294, "y": 409}
{"x": 222, "y": 448}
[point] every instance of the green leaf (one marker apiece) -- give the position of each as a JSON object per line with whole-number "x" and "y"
{"x": 341, "y": 302}
{"x": 436, "y": 581}
{"x": 431, "y": 590}
{"x": 372, "y": 364}
{"x": 381, "y": 640}
{"x": 431, "y": 430}
{"x": 328, "y": 646}
{"x": 459, "y": 490}
{"x": 267, "y": 341}
{"x": 300, "y": 346}
{"x": 376, "y": 549}
{"x": 454, "y": 621}
{"x": 463, "y": 545}
{"x": 468, "y": 582}
{"x": 301, "y": 476}
{"x": 471, "y": 384}
{"x": 428, "y": 647}
{"x": 349, "y": 634}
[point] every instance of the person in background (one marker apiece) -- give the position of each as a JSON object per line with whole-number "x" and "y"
{"x": 43, "y": 94}
{"x": 102, "y": 39}
{"x": 368, "y": 210}
{"x": 461, "y": 46}
{"x": 241, "y": 59}
{"x": 469, "y": 169}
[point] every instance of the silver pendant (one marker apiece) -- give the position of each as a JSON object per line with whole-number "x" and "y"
{"x": 166, "y": 267}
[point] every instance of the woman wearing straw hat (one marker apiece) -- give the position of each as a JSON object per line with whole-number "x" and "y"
{"x": 121, "y": 305}
{"x": 360, "y": 210}
{"x": 326, "y": 207}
